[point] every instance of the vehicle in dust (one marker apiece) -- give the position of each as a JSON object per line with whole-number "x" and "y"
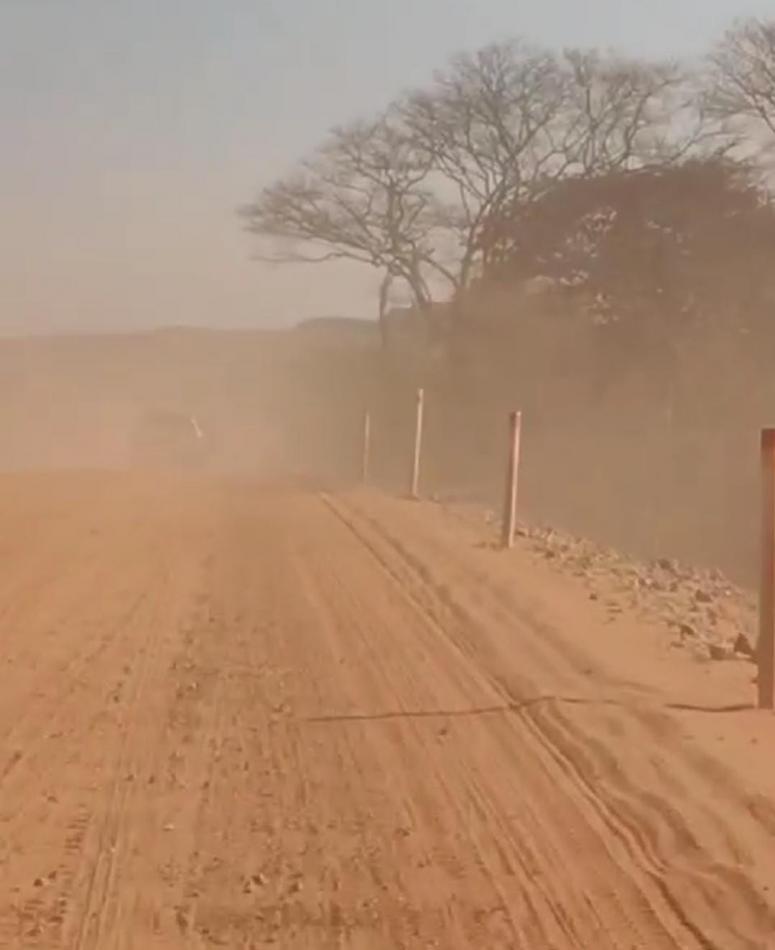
{"x": 170, "y": 439}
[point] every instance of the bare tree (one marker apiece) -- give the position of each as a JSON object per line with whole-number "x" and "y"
{"x": 501, "y": 126}
{"x": 483, "y": 127}
{"x": 742, "y": 79}
{"x": 361, "y": 197}
{"x": 623, "y": 114}
{"x": 426, "y": 192}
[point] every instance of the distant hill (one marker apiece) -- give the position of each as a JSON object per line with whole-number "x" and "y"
{"x": 340, "y": 330}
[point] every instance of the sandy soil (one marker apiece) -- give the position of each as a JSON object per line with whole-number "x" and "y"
{"x": 240, "y": 715}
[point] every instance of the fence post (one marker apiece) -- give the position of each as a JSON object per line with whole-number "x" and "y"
{"x": 766, "y": 645}
{"x": 366, "y": 461}
{"x": 509, "y": 524}
{"x": 415, "y": 486}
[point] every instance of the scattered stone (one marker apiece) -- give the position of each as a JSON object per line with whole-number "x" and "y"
{"x": 181, "y": 918}
{"x": 742, "y": 645}
{"x": 668, "y": 564}
{"x": 698, "y": 605}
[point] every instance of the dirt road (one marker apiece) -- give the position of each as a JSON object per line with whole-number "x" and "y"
{"x": 245, "y": 716}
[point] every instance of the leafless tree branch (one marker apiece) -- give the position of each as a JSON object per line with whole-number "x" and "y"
{"x": 501, "y": 126}
{"x": 360, "y": 197}
{"x": 743, "y": 74}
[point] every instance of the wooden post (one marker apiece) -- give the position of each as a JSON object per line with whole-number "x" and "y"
{"x": 509, "y": 525}
{"x": 415, "y": 486}
{"x": 766, "y": 645}
{"x": 366, "y": 447}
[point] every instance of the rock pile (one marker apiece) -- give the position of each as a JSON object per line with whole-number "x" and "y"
{"x": 706, "y": 612}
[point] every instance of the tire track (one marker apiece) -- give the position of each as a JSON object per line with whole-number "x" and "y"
{"x": 321, "y": 742}
{"x": 622, "y": 814}
{"x": 95, "y": 912}
{"x": 439, "y": 780}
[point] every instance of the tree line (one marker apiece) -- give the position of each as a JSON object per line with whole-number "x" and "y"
{"x": 430, "y": 191}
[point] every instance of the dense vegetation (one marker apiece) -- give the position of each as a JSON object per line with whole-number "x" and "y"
{"x": 588, "y": 237}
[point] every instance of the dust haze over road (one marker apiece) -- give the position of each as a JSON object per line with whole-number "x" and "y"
{"x": 252, "y": 698}
{"x": 243, "y": 709}
{"x": 267, "y": 400}
{"x": 241, "y": 715}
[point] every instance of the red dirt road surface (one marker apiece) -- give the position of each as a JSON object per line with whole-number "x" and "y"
{"x": 250, "y": 716}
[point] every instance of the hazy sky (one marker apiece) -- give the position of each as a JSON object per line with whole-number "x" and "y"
{"x": 132, "y": 129}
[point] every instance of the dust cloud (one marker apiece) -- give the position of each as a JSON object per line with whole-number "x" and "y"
{"x": 265, "y": 402}
{"x": 612, "y": 464}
